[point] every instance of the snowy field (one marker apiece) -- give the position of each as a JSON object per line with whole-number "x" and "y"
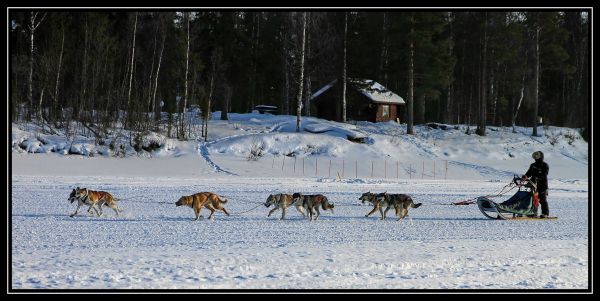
{"x": 157, "y": 245}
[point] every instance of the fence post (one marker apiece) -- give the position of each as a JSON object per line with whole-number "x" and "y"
{"x": 397, "y": 176}
{"x": 410, "y": 171}
{"x": 316, "y": 165}
{"x": 372, "y": 168}
{"x": 283, "y": 163}
{"x": 423, "y": 170}
{"x": 446, "y": 174}
{"x": 385, "y": 169}
{"x": 342, "y": 168}
{"x": 356, "y": 168}
{"x": 434, "y": 169}
{"x": 329, "y": 173}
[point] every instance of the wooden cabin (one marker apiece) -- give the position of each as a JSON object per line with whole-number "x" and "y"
{"x": 366, "y": 100}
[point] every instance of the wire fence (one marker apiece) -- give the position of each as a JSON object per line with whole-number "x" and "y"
{"x": 342, "y": 168}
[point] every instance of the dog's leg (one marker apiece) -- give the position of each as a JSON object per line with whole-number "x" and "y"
{"x": 282, "y": 213}
{"x": 386, "y": 210}
{"x": 225, "y": 211}
{"x": 114, "y": 207}
{"x": 301, "y": 209}
{"x": 212, "y": 211}
{"x": 272, "y": 210}
{"x": 197, "y": 211}
{"x": 401, "y": 212}
{"x": 381, "y": 212}
{"x": 76, "y": 210}
{"x": 374, "y": 209}
{"x": 95, "y": 209}
{"x": 318, "y": 213}
{"x": 100, "y": 208}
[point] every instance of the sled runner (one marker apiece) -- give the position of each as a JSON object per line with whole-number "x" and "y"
{"x": 521, "y": 206}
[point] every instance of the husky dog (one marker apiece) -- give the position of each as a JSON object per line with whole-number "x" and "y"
{"x": 400, "y": 202}
{"x": 313, "y": 201}
{"x": 283, "y": 201}
{"x": 378, "y": 200}
{"x": 93, "y": 199}
{"x": 208, "y": 200}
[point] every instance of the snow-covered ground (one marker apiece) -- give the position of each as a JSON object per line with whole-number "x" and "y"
{"x": 157, "y": 245}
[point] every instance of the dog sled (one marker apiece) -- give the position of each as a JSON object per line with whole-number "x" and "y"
{"x": 521, "y": 206}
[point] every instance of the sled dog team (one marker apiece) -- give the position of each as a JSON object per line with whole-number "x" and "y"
{"x": 211, "y": 201}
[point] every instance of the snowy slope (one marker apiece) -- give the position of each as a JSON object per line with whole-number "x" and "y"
{"x": 498, "y": 155}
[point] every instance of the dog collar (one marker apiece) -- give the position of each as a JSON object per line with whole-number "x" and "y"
{"x": 87, "y": 192}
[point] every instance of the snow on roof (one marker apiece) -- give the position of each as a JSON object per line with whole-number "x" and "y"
{"x": 370, "y": 88}
{"x": 265, "y": 107}
{"x": 322, "y": 90}
{"x": 376, "y": 92}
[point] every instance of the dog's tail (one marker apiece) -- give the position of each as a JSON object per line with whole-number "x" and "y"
{"x": 413, "y": 205}
{"x": 224, "y": 200}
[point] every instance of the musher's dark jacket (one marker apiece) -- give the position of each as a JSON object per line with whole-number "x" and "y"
{"x": 538, "y": 172}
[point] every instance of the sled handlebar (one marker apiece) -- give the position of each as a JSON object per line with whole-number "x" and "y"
{"x": 524, "y": 182}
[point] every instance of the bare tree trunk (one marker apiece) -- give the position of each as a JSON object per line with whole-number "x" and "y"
{"x": 83, "y": 95}
{"x": 62, "y": 44}
{"x": 30, "y": 81}
{"x": 226, "y": 99}
{"x": 132, "y": 61}
{"x": 536, "y": 76}
{"x": 517, "y": 110}
{"x": 344, "y": 68}
{"x": 307, "y": 67}
{"x": 216, "y": 59}
{"x": 254, "y": 54}
{"x": 151, "y": 71}
{"x": 383, "y": 62}
{"x": 156, "y": 108}
{"x": 409, "y": 105}
{"x": 185, "y": 94}
{"x": 41, "y": 116}
{"x": 207, "y": 113}
{"x": 301, "y": 79}
{"x": 449, "y": 104}
{"x": 483, "y": 95}
{"x": 33, "y": 25}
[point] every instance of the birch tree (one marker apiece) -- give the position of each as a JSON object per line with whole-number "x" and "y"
{"x": 132, "y": 61}
{"x": 411, "y": 58}
{"x": 536, "y": 75}
{"x": 483, "y": 95}
{"x": 344, "y": 68}
{"x": 185, "y": 93}
{"x": 33, "y": 25}
{"x": 301, "y": 78}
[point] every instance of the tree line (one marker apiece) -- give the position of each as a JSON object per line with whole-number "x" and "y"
{"x": 104, "y": 68}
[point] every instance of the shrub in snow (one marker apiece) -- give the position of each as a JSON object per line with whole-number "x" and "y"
{"x": 32, "y": 145}
{"x": 257, "y": 150}
{"x": 82, "y": 149}
{"x": 148, "y": 141}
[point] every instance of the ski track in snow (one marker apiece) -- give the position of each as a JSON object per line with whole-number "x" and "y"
{"x": 157, "y": 245}
{"x": 484, "y": 170}
{"x": 205, "y": 153}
